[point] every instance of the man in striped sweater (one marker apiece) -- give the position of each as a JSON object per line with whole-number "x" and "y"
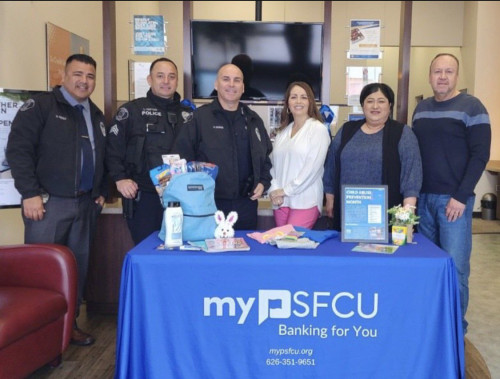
{"x": 454, "y": 135}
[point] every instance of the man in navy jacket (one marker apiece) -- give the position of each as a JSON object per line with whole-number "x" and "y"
{"x": 46, "y": 152}
{"x": 229, "y": 134}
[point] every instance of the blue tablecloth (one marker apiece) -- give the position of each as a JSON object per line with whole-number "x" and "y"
{"x": 271, "y": 313}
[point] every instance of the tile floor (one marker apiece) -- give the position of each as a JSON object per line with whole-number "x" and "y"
{"x": 483, "y": 313}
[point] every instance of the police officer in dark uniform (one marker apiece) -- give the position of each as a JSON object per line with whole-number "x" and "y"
{"x": 229, "y": 134}
{"x": 141, "y": 132}
{"x": 56, "y": 153}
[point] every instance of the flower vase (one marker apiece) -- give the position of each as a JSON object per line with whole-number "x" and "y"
{"x": 409, "y": 233}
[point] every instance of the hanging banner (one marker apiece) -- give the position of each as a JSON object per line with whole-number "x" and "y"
{"x": 365, "y": 39}
{"x": 149, "y": 35}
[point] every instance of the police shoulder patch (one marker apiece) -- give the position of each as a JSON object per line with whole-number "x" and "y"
{"x": 187, "y": 116}
{"x": 122, "y": 114}
{"x": 103, "y": 128}
{"x": 30, "y": 103}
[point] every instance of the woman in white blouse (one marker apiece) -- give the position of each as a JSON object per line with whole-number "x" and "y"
{"x": 298, "y": 156}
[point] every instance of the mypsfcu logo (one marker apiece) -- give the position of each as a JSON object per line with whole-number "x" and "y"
{"x": 283, "y": 304}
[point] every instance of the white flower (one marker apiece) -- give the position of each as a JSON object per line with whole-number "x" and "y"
{"x": 403, "y": 215}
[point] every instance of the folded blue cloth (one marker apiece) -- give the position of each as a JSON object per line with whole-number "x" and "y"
{"x": 317, "y": 235}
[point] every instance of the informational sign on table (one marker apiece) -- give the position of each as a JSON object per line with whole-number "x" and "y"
{"x": 364, "y": 213}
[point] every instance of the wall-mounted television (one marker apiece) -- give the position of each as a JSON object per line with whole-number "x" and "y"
{"x": 278, "y": 53}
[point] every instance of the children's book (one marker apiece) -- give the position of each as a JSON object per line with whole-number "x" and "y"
{"x": 216, "y": 245}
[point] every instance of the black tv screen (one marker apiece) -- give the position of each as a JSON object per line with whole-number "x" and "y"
{"x": 271, "y": 56}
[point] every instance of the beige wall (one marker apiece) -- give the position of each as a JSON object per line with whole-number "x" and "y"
{"x": 465, "y": 28}
{"x": 222, "y": 10}
{"x": 11, "y": 226}
{"x": 22, "y": 39}
{"x": 23, "y": 47}
{"x": 487, "y": 75}
{"x": 291, "y": 11}
{"x": 437, "y": 23}
{"x": 483, "y": 52}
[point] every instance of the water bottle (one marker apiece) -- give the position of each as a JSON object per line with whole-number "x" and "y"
{"x": 173, "y": 224}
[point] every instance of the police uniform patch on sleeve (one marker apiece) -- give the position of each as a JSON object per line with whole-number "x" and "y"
{"x": 187, "y": 116}
{"x": 103, "y": 128}
{"x": 30, "y": 103}
{"x": 122, "y": 114}
{"x": 114, "y": 130}
{"x": 257, "y": 132}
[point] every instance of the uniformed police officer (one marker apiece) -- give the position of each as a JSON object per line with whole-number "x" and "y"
{"x": 141, "y": 132}
{"x": 228, "y": 133}
{"x": 56, "y": 153}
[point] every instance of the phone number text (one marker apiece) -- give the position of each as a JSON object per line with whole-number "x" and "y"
{"x": 290, "y": 362}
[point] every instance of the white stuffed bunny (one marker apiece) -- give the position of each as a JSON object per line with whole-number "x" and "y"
{"x": 225, "y": 226}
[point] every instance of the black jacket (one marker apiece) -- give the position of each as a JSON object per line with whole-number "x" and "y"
{"x": 44, "y": 150}
{"x": 141, "y": 132}
{"x": 209, "y": 138}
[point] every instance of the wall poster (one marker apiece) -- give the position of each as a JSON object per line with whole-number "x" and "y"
{"x": 138, "y": 79}
{"x": 149, "y": 35}
{"x": 356, "y": 78}
{"x": 365, "y": 39}
{"x": 10, "y": 102}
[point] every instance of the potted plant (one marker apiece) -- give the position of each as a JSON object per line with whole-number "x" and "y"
{"x": 402, "y": 219}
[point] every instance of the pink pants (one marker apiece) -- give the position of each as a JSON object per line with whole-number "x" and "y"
{"x": 297, "y": 217}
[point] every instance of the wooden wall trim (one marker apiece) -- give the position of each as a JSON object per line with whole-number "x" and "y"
{"x": 258, "y": 11}
{"x": 327, "y": 53}
{"x": 187, "y": 15}
{"x": 109, "y": 59}
{"x": 404, "y": 62}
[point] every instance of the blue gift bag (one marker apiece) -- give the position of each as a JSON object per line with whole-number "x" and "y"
{"x": 195, "y": 192}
